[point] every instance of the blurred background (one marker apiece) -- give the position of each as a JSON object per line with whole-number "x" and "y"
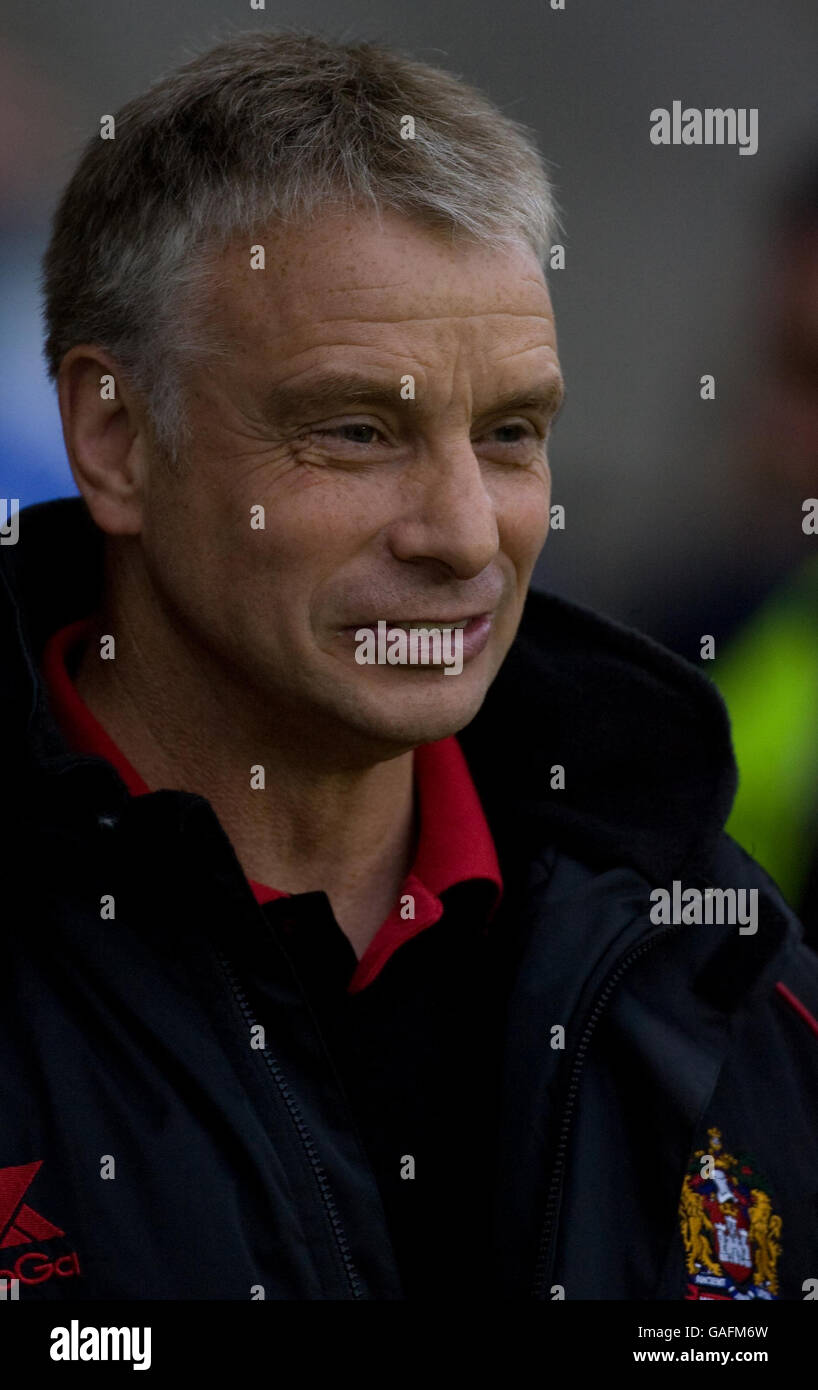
{"x": 683, "y": 515}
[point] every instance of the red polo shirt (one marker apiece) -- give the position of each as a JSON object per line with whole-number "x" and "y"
{"x": 454, "y": 844}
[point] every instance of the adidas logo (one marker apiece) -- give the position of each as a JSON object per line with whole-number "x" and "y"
{"x": 20, "y": 1224}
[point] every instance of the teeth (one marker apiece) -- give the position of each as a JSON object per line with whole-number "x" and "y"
{"x": 425, "y": 626}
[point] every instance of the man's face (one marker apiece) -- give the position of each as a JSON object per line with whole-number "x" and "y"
{"x": 379, "y": 504}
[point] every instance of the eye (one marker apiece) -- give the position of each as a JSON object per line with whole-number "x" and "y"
{"x": 515, "y": 434}
{"x": 353, "y": 434}
{"x": 512, "y": 434}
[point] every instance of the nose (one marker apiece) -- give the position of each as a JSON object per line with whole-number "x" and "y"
{"x": 452, "y": 518}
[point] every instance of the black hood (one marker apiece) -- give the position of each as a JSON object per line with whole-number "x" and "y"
{"x": 642, "y": 736}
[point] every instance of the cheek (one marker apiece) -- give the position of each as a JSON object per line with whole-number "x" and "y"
{"x": 202, "y": 552}
{"x": 174, "y": 539}
{"x": 523, "y": 514}
{"x": 320, "y": 520}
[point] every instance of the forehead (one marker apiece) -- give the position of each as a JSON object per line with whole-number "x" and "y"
{"x": 359, "y": 280}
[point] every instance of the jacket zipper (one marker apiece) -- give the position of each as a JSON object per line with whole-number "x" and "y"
{"x": 304, "y": 1135}
{"x": 542, "y": 1268}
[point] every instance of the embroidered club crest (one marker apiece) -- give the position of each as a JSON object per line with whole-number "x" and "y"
{"x": 732, "y": 1236}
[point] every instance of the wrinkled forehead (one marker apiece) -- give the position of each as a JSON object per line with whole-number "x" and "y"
{"x": 361, "y": 276}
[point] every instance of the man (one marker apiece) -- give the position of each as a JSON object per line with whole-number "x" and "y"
{"x": 337, "y": 979}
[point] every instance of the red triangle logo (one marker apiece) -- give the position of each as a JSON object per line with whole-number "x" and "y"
{"x": 19, "y": 1223}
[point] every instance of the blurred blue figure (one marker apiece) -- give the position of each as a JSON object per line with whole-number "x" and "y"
{"x": 34, "y": 466}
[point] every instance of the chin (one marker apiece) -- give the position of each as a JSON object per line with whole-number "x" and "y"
{"x": 421, "y": 716}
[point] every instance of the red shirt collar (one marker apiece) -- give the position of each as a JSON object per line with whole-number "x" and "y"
{"x": 455, "y": 844}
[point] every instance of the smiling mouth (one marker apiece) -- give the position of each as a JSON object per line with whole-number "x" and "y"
{"x": 426, "y": 643}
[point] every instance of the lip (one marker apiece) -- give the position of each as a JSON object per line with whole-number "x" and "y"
{"x": 475, "y": 632}
{"x": 427, "y": 620}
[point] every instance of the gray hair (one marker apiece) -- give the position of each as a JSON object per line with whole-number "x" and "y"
{"x": 266, "y": 126}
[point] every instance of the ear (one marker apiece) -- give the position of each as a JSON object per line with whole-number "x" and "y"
{"x": 107, "y": 438}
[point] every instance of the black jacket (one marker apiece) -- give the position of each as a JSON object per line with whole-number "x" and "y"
{"x": 242, "y": 1170}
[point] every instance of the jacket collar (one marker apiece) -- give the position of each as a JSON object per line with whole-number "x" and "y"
{"x": 642, "y": 736}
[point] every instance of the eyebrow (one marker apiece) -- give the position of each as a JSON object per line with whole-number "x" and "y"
{"x": 549, "y": 398}
{"x": 288, "y": 403}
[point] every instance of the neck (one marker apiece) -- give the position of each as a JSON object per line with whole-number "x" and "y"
{"x": 185, "y": 723}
